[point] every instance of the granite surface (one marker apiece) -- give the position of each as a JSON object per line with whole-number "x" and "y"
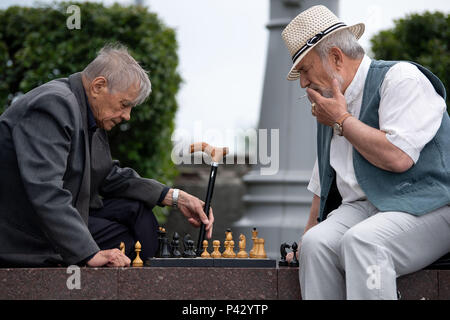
{"x": 51, "y": 283}
{"x": 444, "y": 285}
{"x": 422, "y": 285}
{"x": 288, "y": 284}
{"x": 187, "y": 283}
{"x": 198, "y": 283}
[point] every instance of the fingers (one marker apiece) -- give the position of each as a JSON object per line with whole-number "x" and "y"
{"x": 194, "y": 211}
{"x": 211, "y": 220}
{"x": 117, "y": 259}
{"x": 201, "y": 214}
{"x": 336, "y": 88}
{"x": 313, "y": 95}
{"x": 194, "y": 222}
{"x": 289, "y": 256}
{"x": 209, "y": 233}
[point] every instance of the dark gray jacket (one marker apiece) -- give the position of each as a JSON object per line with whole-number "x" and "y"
{"x": 49, "y": 177}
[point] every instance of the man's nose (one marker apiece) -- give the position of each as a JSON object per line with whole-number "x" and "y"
{"x": 304, "y": 82}
{"x": 126, "y": 115}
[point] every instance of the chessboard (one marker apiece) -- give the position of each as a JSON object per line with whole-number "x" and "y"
{"x": 170, "y": 255}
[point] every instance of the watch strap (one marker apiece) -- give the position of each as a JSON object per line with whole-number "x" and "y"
{"x": 175, "y": 194}
{"x": 341, "y": 119}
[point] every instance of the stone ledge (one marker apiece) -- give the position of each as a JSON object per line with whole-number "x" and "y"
{"x": 188, "y": 283}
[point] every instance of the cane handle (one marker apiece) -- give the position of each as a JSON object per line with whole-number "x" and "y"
{"x": 215, "y": 153}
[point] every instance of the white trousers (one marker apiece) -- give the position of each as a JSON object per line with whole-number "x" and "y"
{"x": 358, "y": 252}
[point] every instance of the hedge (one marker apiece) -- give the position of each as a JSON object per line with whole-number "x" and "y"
{"x": 423, "y": 38}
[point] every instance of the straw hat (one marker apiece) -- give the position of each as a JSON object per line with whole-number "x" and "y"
{"x": 307, "y": 29}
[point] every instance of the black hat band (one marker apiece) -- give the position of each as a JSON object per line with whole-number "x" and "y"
{"x": 316, "y": 39}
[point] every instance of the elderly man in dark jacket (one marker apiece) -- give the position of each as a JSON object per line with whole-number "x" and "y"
{"x": 63, "y": 200}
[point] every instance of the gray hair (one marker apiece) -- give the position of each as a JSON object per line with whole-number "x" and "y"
{"x": 120, "y": 70}
{"x": 342, "y": 39}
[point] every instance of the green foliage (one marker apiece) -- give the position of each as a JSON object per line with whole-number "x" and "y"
{"x": 36, "y": 46}
{"x": 422, "y": 38}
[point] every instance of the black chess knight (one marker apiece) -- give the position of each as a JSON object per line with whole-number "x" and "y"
{"x": 283, "y": 262}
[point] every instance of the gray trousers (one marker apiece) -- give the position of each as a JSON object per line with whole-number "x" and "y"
{"x": 358, "y": 252}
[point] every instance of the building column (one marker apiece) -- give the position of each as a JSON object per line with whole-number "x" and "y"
{"x": 278, "y": 205}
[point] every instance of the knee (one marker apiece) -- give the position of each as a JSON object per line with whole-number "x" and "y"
{"x": 355, "y": 239}
{"x": 314, "y": 241}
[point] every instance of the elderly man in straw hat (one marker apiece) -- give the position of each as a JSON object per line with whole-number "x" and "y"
{"x": 63, "y": 200}
{"x": 381, "y": 181}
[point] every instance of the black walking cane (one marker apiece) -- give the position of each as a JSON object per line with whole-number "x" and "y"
{"x": 216, "y": 155}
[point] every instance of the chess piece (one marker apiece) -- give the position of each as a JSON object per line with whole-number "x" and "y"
{"x": 228, "y": 234}
{"x": 294, "y": 261}
{"x": 260, "y": 252}
{"x": 228, "y": 253}
{"x": 161, "y": 234}
{"x": 242, "y": 242}
{"x": 283, "y": 262}
{"x": 138, "y": 261}
{"x": 165, "y": 250}
{"x": 186, "y": 239}
{"x": 191, "y": 249}
{"x": 231, "y": 252}
{"x": 216, "y": 253}
{"x": 122, "y": 247}
{"x": 175, "y": 246}
{"x": 228, "y": 238}
{"x": 205, "y": 253}
{"x": 254, "y": 237}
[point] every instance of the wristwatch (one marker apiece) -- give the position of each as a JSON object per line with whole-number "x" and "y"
{"x": 337, "y": 126}
{"x": 175, "y": 198}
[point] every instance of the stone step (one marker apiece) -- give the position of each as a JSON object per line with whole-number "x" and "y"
{"x": 187, "y": 283}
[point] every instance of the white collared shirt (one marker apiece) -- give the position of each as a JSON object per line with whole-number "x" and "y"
{"x": 410, "y": 113}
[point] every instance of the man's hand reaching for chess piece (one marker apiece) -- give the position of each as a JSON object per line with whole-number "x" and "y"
{"x": 192, "y": 208}
{"x": 109, "y": 258}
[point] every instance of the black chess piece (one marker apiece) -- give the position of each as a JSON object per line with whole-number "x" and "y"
{"x": 191, "y": 253}
{"x": 186, "y": 239}
{"x": 294, "y": 261}
{"x": 283, "y": 262}
{"x": 175, "y": 246}
{"x": 161, "y": 235}
{"x": 165, "y": 250}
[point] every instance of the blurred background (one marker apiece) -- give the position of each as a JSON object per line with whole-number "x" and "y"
{"x": 218, "y": 72}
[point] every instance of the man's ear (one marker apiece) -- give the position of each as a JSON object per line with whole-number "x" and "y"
{"x": 336, "y": 57}
{"x": 98, "y": 86}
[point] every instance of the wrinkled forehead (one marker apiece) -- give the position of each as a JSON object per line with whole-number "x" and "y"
{"x": 130, "y": 94}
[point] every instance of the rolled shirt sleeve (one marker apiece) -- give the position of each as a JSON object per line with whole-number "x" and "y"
{"x": 410, "y": 109}
{"x": 314, "y": 182}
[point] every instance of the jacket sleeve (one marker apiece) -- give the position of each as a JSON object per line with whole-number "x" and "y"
{"x": 125, "y": 182}
{"x": 42, "y": 139}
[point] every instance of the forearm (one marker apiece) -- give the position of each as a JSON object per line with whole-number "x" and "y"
{"x": 125, "y": 182}
{"x": 313, "y": 214}
{"x": 168, "y": 198}
{"x": 373, "y": 145}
